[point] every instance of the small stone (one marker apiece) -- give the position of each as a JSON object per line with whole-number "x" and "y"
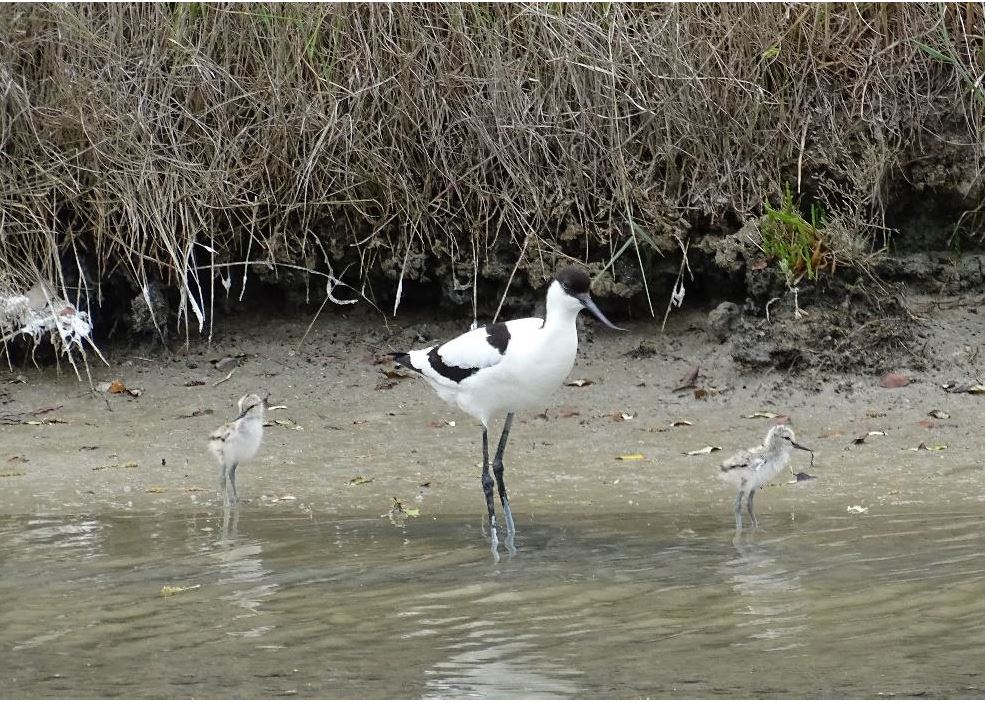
{"x": 721, "y": 321}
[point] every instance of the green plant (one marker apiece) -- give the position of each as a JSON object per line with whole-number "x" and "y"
{"x": 797, "y": 244}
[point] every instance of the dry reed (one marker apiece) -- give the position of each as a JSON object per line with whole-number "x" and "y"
{"x": 455, "y": 142}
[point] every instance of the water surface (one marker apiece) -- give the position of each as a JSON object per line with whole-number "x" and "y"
{"x": 620, "y": 606}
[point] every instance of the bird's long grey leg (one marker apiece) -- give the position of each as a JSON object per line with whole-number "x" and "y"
{"x": 749, "y": 507}
{"x": 738, "y": 510}
{"x": 498, "y": 472}
{"x": 232, "y": 484}
{"x": 488, "y": 489}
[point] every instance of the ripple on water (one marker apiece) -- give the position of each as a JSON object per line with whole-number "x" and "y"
{"x": 625, "y": 607}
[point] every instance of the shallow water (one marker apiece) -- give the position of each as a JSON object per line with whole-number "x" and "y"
{"x": 622, "y": 606}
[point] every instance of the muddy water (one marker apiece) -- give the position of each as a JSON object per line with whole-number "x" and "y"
{"x": 607, "y": 606}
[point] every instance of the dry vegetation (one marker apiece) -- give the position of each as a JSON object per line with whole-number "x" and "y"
{"x": 375, "y": 144}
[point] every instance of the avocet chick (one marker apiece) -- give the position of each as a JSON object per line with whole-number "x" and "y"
{"x": 238, "y": 441}
{"x": 749, "y": 470}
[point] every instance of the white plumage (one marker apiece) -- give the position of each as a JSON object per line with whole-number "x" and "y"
{"x": 751, "y": 469}
{"x": 238, "y": 441}
{"x": 507, "y": 367}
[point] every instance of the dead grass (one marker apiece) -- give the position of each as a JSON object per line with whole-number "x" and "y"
{"x": 394, "y": 142}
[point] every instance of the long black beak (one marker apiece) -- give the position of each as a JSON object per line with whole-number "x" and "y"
{"x": 588, "y": 303}
{"x": 796, "y": 445}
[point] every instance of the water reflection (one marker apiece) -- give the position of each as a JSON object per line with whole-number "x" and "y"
{"x": 241, "y": 565}
{"x": 80, "y": 534}
{"x": 618, "y": 606}
{"x": 772, "y": 604}
{"x": 489, "y": 648}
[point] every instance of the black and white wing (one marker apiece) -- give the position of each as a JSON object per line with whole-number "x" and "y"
{"x": 465, "y": 355}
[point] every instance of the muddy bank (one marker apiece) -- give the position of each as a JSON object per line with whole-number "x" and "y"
{"x": 351, "y": 437}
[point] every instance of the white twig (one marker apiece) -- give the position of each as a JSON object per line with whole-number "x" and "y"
{"x": 767, "y": 308}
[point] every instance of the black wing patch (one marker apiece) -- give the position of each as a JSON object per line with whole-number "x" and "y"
{"x": 498, "y": 336}
{"x": 453, "y": 373}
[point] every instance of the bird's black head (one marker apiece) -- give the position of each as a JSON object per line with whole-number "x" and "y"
{"x": 573, "y": 280}
{"x": 574, "y": 283}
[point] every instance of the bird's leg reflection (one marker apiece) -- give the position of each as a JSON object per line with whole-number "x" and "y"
{"x": 231, "y": 521}
{"x": 509, "y": 543}
{"x": 738, "y": 510}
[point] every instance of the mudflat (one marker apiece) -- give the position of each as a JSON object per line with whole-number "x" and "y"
{"x": 352, "y": 434}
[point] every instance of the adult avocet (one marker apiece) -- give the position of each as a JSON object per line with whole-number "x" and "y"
{"x": 238, "y": 441}
{"x": 507, "y": 367}
{"x": 749, "y": 470}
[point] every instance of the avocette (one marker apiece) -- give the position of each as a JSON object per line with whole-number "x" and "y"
{"x": 238, "y": 441}
{"x": 507, "y": 367}
{"x": 749, "y": 470}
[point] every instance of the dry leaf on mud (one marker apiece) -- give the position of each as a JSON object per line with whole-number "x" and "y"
{"x": 800, "y": 478}
{"x": 926, "y": 423}
{"x": 761, "y": 415}
{"x": 169, "y": 590}
{"x": 956, "y": 387}
{"x": 700, "y": 393}
{"x": 194, "y": 382}
{"x": 359, "y": 480}
{"x": 894, "y": 380}
{"x": 117, "y": 387}
{"x": 621, "y": 416}
{"x": 567, "y": 413}
{"x": 862, "y": 439}
{"x": 227, "y": 362}
{"x": 688, "y": 380}
{"x": 579, "y": 382}
{"x": 188, "y": 414}
{"x": 929, "y": 447}
{"x": 703, "y": 451}
{"x": 398, "y": 512}
{"x": 18, "y": 459}
{"x": 631, "y": 457}
{"x": 395, "y": 374}
{"x": 680, "y": 423}
{"x": 128, "y": 464}
{"x": 10, "y": 474}
{"x": 939, "y": 414}
{"x": 287, "y": 423}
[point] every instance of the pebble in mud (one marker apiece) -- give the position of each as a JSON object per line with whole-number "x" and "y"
{"x": 721, "y": 320}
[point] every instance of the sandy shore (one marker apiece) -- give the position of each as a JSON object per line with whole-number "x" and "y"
{"x": 64, "y": 449}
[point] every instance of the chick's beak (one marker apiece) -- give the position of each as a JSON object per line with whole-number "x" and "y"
{"x": 796, "y": 445}
{"x": 588, "y": 303}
